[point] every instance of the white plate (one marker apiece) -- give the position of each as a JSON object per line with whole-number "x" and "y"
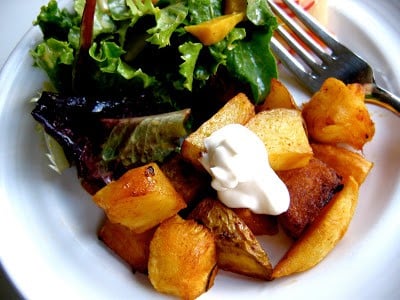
{"x": 48, "y": 223}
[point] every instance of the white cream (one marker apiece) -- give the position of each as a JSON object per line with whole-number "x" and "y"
{"x": 238, "y": 162}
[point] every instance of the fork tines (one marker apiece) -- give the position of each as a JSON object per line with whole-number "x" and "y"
{"x": 307, "y": 50}
{"x": 312, "y": 53}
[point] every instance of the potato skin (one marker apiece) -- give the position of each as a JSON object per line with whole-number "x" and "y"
{"x": 238, "y": 249}
{"x": 337, "y": 114}
{"x": 183, "y": 258}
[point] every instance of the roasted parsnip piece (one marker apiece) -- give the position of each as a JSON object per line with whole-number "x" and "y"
{"x": 323, "y": 234}
{"x": 345, "y": 162}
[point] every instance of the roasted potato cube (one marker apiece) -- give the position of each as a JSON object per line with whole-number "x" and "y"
{"x": 259, "y": 224}
{"x": 278, "y": 97}
{"x": 310, "y": 189}
{"x": 132, "y": 247}
{"x": 345, "y": 162}
{"x": 238, "y": 110}
{"x": 140, "y": 199}
{"x": 337, "y": 114}
{"x": 323, "y": 234}
{"x": 238, "y": 249}
{"x": 183, "y": 259}
{"x": 282, "y": 131}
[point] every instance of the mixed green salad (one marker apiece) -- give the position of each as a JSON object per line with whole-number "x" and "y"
{"x": 129, "y": 81}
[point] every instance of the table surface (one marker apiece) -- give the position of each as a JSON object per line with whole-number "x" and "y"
{"x": 16, "y": 18}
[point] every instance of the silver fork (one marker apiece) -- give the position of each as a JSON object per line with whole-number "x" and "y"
{"x": 315, "y": 63}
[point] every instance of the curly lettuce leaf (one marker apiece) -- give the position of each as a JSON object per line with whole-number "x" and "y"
{"x": 168, "y": 19}
{"x": 55, "y": 22}
{"x": 118, "y": 9}
{"x": 133, "y": 38}
{"x": 108, "y": 56}
{"x": 140, "y": 8}
{"x": 55, "y": 58}
{"x": 190, "y": 52}
{"x": 142, "y": 140}
{"x": 103, "y": 22}
{"x": 137, "y": 53}
{"x": 219, "y": 50}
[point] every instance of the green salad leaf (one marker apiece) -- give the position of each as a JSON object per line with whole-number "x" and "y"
{"x": 118, "y": 9}
{"x": 108, "y": 55}
{"x": 139, "y": 60}
{"x": 55, "y": 22}
{"x": 141, "y": 47}
{"x": 190, "y": 52}
{"x": 167, "y": 21}
{"x": 251, "y": 62}
{"x": 204, "y": 10}
{"x": 141, "y": 140}
{"x": 103, "y": 21}
{"x": 56, "y": 59}
{"x": 259, "y": 13}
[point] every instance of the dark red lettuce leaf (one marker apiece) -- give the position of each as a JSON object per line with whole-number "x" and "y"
{"x": 77, "y": 124}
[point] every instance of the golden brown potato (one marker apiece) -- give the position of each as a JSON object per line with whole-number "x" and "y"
{"x": 337, "y": 114}
{"x": 132, "y": 247}
{"x": 323, "y": 234}
{"x": 284, "y": 137}
{"x": 278, "y": 97}
{"x": 345, "y": 162}
{"x": 238, "y": 249}
{"x": 259, "y": 224}
{"x": 140, "y": 199}
{"x": 183, "y": 259}
{"x": 238, "y": 110}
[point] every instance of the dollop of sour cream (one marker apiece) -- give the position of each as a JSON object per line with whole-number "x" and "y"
{"x": 238, "y": 162}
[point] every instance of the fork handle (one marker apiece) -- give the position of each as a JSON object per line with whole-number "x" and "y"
{"x": 383, "y": 98}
